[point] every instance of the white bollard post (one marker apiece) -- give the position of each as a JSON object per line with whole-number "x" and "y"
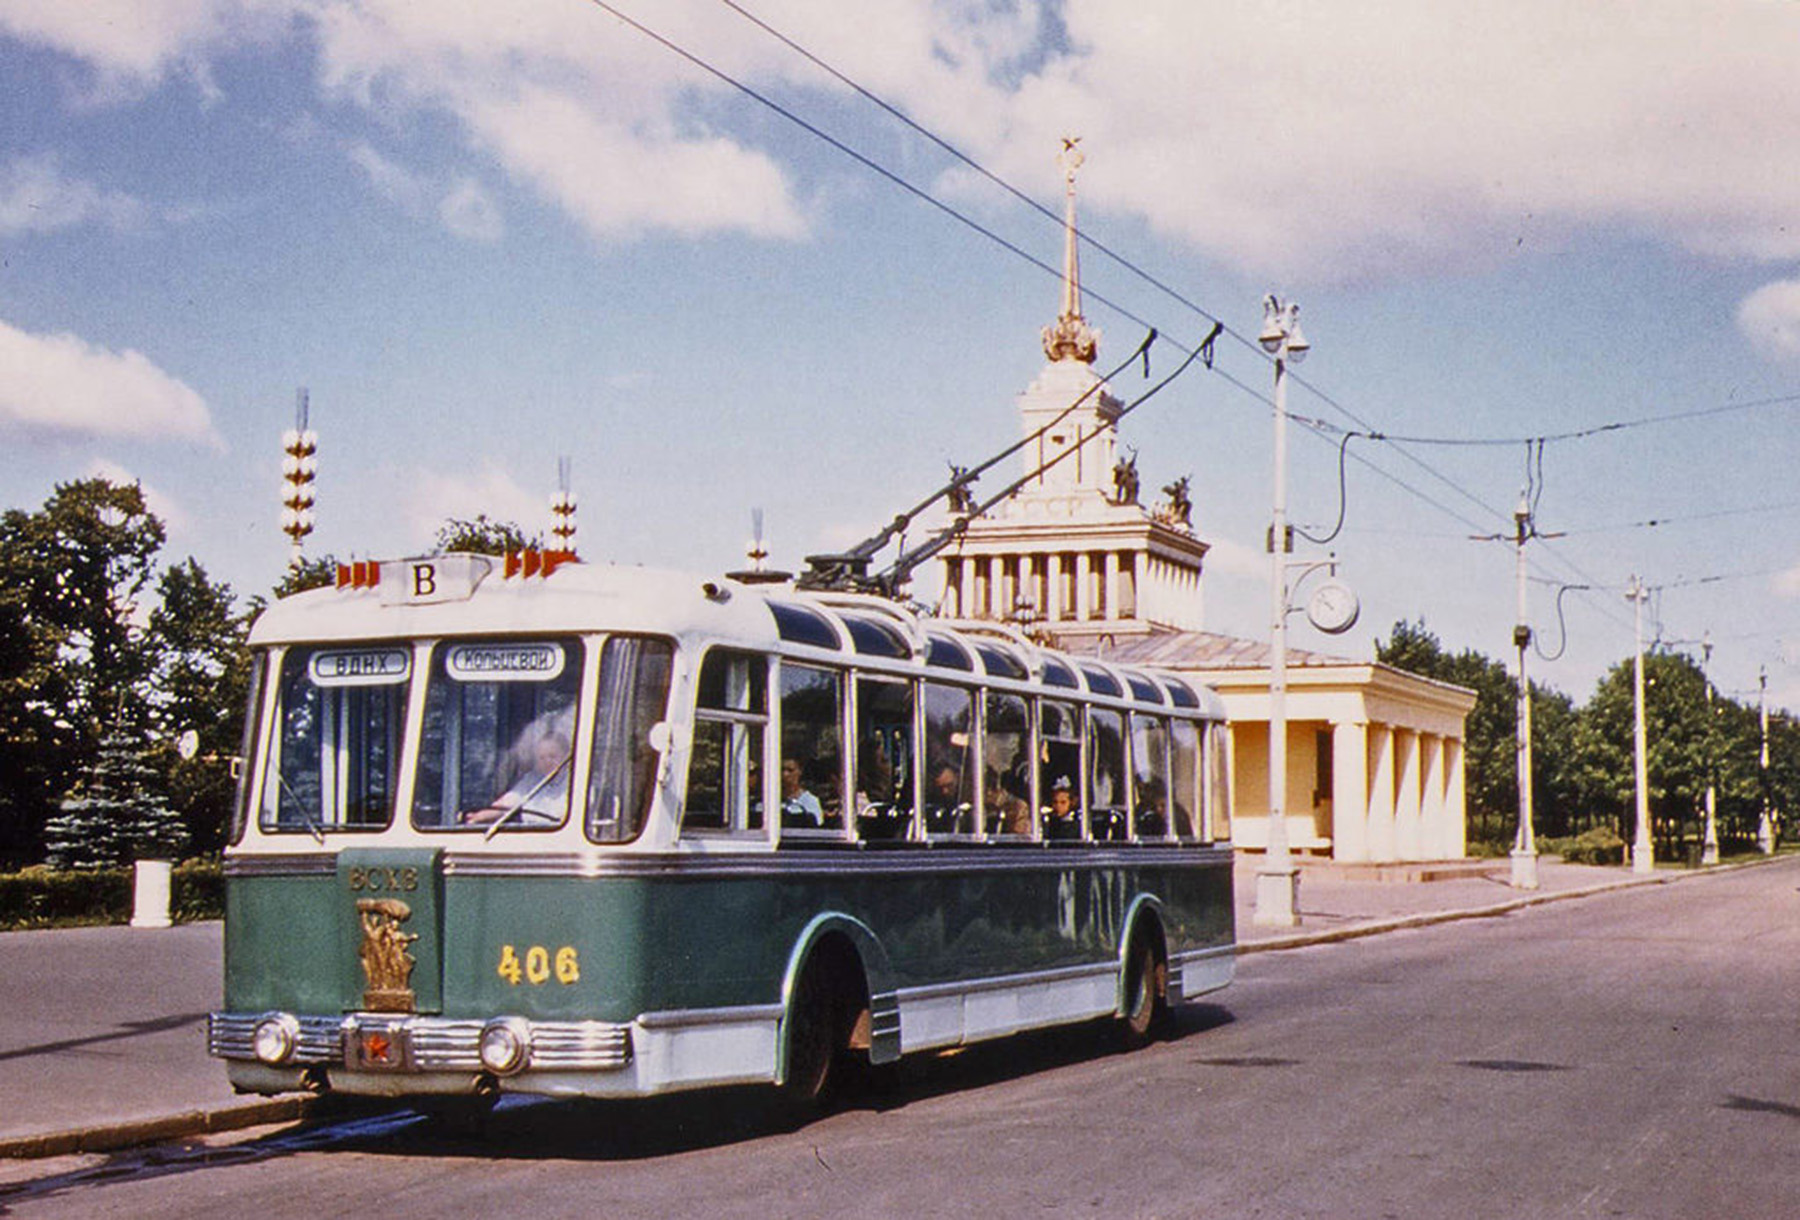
{"x": 150, "y": 906}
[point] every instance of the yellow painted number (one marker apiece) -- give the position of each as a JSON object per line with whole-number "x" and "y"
{"x": 538, "y": 965}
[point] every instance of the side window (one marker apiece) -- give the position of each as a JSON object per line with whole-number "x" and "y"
{"x": 240, "y": 766}
{"x": 884, "y": 758}
{"x": 633, "y": 697}
{"x": 1149, "y": 777}
{"x": 1006, "y": 766}
{"x": 1218, "y": 783}
{"x": 498, "y": 743}
{"x": 333, "y": 756}
{"x": 1106, "y": 774}
{"x": 812, "y": 753}
{"x": 949, "y": 760}
{"x": 1184, "y": 777}
{"x": 1059, "y": 769}
{"x": 725, "y": 780}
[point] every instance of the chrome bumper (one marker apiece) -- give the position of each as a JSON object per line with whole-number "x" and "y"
{"x": 421, "y": 1044}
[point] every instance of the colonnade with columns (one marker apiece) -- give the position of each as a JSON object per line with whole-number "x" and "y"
{"x": 1397, "y": 793}
{"x": 1075, "y": 586}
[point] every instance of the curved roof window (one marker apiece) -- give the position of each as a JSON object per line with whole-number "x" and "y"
{"x": 943, "y": 651}
{"x": 1180, "y": 692}
{"x": 1101, "y": 682}
{"x": 1058, "y": 674}
{"x": 801, "y": 625}
{"x": 1001, "y": 664}
{"x": 876, "y": 639}
{"x": 1144, "y": 688}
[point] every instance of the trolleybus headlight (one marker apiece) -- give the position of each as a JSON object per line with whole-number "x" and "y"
{"x": 275, "y": 1037}
{"x": 505, "y": 1045}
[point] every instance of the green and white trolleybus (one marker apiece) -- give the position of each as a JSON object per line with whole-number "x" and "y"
{"x": 550, "y": 827}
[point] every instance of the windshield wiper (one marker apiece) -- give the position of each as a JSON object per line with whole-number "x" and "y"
{"x": 317, "y": 831}
{"x": 526, "y": 799}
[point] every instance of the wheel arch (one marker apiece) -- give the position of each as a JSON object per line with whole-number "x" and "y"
{"x": 1143, "y": 918}
{"x": 835, "y": 932}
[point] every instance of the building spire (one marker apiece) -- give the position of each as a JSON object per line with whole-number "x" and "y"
{"x": 1071, "y": 338}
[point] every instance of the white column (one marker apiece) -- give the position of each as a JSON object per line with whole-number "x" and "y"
{"x": 1455, "y": 806}
{"x": 1381, "y": 793}
{"x": 1350, "y": 790}
{"x": 1406, "y": 795}
{"x": 1053, "y": 587}
{"x": 1084, "y": 587}
{"x": 1431, "y": 796}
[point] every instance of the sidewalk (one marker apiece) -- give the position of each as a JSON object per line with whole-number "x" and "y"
{"x": 103, "y": 1030}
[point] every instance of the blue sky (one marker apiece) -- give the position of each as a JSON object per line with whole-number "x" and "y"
{"x": 485, "y": 235}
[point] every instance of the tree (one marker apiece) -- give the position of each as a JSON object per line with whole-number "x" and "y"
{"x": 483, "y": 536}
{"x": 71, "y": 658}
{"x": 116, "y": 814}
{"x": 200, "y": 684}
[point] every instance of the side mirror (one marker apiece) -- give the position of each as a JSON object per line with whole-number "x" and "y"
{"x": 662, "y": 737}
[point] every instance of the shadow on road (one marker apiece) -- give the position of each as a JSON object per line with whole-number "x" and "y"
{"x": 538, "y": 1129}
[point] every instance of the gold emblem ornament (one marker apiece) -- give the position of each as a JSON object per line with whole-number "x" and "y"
{"x": 387, "y": 966}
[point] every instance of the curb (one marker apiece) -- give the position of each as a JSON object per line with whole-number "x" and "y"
{"x": 1376, "y": 927}
{"x": 110, "y": 1137}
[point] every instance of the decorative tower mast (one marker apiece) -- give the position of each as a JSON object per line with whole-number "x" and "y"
{"x": 562, "y": 510}
{"x": 1070, "y": 337}
{"x": 298, "y": 469}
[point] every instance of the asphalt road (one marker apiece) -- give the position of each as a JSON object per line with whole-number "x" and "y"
{"x": 1631, "y": 1054}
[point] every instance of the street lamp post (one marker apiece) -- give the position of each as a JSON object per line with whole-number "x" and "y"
{"x": 1765, "y": 826}
{"x": 1709, "y": 845}
{"x": 1278, "y": 880}
{"x": 1643, "y": 858}
{"x": 1524, "y": 852}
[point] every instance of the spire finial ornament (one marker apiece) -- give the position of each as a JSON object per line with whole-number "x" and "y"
{"x": 1071, "y": 338}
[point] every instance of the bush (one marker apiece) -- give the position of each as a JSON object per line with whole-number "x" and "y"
{"x": 43, "y": 897}
{"x": 1601, "y": 845}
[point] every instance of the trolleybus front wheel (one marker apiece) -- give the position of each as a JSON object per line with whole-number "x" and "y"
{"x": 823, "y": 1019}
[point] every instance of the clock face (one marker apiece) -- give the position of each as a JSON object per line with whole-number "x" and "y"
{"x": 1333, "y": 608}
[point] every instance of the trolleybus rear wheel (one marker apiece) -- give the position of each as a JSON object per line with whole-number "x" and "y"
{"x": 1146, "y": 992}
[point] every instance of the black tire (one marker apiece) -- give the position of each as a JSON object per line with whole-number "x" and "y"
{"x": 1146, "y": 993}
{"x": 814, "y": 1039}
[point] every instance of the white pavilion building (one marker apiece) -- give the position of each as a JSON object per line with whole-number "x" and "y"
{"x": 1075, "y": 556}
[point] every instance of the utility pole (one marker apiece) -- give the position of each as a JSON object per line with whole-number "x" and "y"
{"x": 1765, "y": 826}
{"x": 1643, "y": 857}
{"x": 1709, "y": 843}
{"x": 1278, "y": 880}
{"x": 1524, "y": 852}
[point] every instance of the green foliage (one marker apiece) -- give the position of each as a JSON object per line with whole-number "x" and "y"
{"x": 1599, "y": 845}
{"x": 117, "y": 814}
{"x": 302, "y": 574}
{"x": 41, "y": 897}
{"x": 483, "y": 536}
{"x": 70, "y": 658}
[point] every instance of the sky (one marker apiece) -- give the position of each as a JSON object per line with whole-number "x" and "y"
{"x": 486, "y": 235}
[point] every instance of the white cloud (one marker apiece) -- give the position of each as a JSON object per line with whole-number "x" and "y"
{"x": 1770, "y": 318}
{"x": 434, "y": 498}
{"x": 464, "y": 208}
{"x": 1228, "y": 556}
{"x": 1367, "y": 138}
{"x": 62, "y": 384}
{"x": 36, "y": 196}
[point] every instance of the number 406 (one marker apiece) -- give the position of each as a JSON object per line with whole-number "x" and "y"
{"x": 538, "y": 965}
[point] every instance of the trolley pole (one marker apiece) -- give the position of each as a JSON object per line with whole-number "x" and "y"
{"x": 1643, "y": 858}
{"x": 1524, "y": 852}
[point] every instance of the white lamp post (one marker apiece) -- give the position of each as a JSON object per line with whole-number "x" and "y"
{"x": 1709, "y": 845}
{"x": 1278, "y": 880}
{"x": 1524, "y": 852}
{"x": 1643, "y": 855}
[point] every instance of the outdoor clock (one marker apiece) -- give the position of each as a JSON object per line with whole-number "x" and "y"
{"x": 1333, "y": 607}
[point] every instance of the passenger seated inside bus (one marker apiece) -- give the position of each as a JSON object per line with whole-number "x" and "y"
{"x": 539, "y": 792}
{"x": 1006, "y": 813}
{"x": 1152, "y": 818}
{"x": 799, "y": 807}
{"x": 948, "y": 811}
{"x": 1061, "y": 819}
{"x": 882, "y": 808}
